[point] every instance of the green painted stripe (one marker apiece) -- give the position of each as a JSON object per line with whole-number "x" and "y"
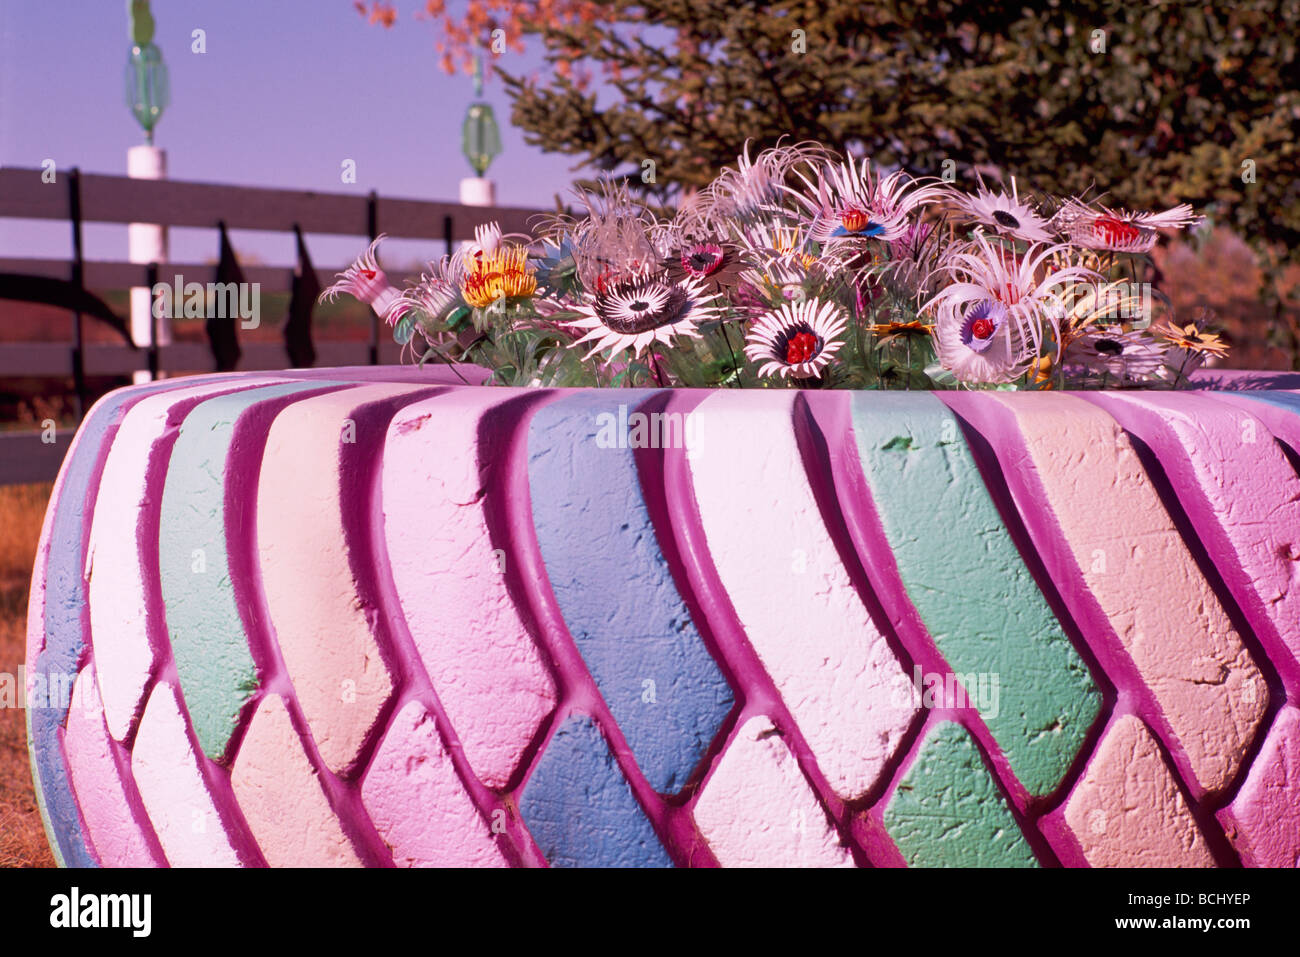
{"x": 213, "y": 663}
{"x": 970, "y": 586}
{"x": 947, "y": 812}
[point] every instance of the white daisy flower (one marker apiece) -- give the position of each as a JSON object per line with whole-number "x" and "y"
{"x": 1005, "y": 212}
{"x": 995, "y": 312}
{"x": 436, "y": 294}
{"x": 635, "y": 313}
{"x": 1126, "y": 356}
{"x": 364, "y": 280}
{"x": 797, "y": 339}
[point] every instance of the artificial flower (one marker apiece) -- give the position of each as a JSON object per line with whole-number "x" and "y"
{"x": 365, "y": 281}
{"x": 1006, "y": 213}
{"x": 616, "y": 241}
{"x": 1192, "y": 339}
{"x": 797, "y": 339}
{"x": 900, "y": 329}
{"x": 850, "y": 201}
{"x": 1124, "y": 356}
{"x": 1118, "y": 230}
{"x": 635, "y": 313}
{"x": 715, "y": 265}
{"x": 435, "y": 295}
{"x": 751, "y": 191}
{"x": 996, "y": 311}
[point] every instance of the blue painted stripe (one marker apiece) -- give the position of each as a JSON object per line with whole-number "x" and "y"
{"x": 1283, "y": 400}
{"x": 65, "y": 600}
{"x": 580, "y": 810}
{"x": 615, "y": 589}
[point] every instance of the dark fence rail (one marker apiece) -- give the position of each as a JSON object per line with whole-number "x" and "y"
{"x": 120, "y": 199}
{"x": 80, "y": 198}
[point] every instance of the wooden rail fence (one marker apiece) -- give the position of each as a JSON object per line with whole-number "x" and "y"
{"x": 80, "y": 198}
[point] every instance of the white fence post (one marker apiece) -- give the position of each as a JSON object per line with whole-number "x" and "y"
{"x": 146, "y": 243}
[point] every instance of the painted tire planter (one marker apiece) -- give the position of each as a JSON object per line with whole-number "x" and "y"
{"x": 377, "y": 617}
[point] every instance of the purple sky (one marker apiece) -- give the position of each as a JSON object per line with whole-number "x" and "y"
{"x": 285, "y": 92}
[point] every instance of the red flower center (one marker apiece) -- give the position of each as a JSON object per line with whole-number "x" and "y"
{"x": 800, "y": 348}
{"x": 1113, "y": 230}
{"x": 368, "y": 273}
{"x": 703, "y": 260}
{"x": 854, "y": 220}
{"x": 981, "y": 328}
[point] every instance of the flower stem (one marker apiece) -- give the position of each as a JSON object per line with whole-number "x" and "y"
{"x": 654, "y": 365}
{"x": 735, "y": 367}
{"x": 451, "y": 364}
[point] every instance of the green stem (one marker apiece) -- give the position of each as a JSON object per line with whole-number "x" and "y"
{"x": 452, "y": 365}
{"x": 735, "y": 366}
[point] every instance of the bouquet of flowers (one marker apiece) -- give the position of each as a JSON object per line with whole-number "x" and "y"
{"x": 799, "y": 268}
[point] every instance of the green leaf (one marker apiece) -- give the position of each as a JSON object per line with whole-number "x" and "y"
{"x": 404, "y": 330}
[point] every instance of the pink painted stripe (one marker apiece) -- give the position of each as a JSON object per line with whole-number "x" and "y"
{"x": 509, "y": 517}
{"x": 670, "y": 498}
{"x": 1263, "y": 820}
{"x": 339, "y": 675}
{"x": 106, "y": 804}
{"x": 243, "y": 468}
{"x": 473, "y": 639}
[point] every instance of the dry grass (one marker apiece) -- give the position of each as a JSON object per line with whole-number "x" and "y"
{"x": 22, "y": 837}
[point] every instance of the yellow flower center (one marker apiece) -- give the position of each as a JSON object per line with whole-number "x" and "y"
{"x": 503, "y": 274}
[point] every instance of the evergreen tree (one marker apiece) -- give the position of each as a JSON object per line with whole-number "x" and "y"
{"x": 1152, "y": 104}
